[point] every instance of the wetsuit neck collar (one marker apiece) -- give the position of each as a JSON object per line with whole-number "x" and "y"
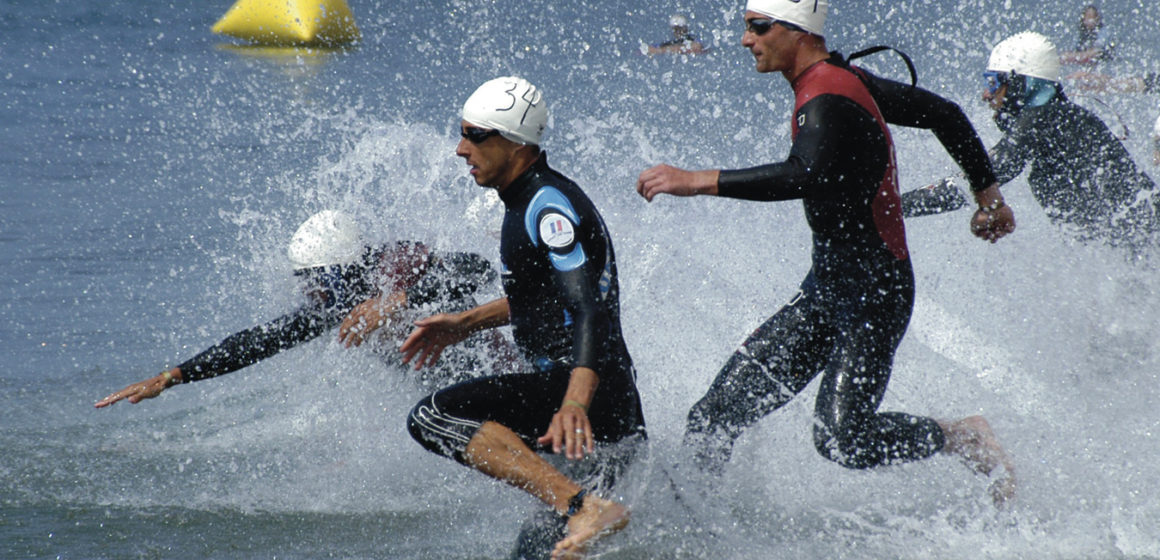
{"x": 809, "y": 69}
{"x": 524, "y": 180}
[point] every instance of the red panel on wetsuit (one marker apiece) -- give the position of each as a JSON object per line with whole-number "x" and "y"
{"x": 826, "y": 79}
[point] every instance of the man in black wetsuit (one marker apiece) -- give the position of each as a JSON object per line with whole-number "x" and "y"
{"x": 1080, "y": 172}
{"x": 854, "y": 305}
{"x": 562, "y": 300}
{"x": 346, "y": 282}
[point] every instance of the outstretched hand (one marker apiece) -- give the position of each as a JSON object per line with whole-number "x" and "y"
{"x": 142, "y": 390}
{"x": 663, "y": 179}
{"x": 431, "y": 337}
{"x": 570, "y": 431}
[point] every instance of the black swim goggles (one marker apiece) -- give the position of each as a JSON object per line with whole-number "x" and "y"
{"x": 477, "y": 135}
{"x": 761, "y": 26}
{"x": 995, "y": 80}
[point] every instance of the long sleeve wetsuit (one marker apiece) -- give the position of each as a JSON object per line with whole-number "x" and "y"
{"x": 449, "y": 280}
{"x": 915, "y": 107}
{"x": 853, "y": 306}
{"x": 1080, "y": 172}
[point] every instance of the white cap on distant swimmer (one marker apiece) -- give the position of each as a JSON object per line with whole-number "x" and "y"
{"x": 1027, "y": 53}
{"x": 326, "y": 238}
{"x": 1156, "y": 128}
{"x": 511, "y": 105}
{"x": 810, "y": 16}
{"x": 678, "y": 21}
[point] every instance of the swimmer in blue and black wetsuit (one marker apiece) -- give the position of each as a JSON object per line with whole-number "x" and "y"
{"x": 854, "y": 305}
{"x": 562, "y": 300}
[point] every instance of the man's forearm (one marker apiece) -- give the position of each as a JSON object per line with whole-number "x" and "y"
{"x": 495, "y": 313}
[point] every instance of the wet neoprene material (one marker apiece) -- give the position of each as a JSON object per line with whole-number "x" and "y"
{"x": 450, "y": 278}
{"x": 559, "y": 275}
{"x": 855, "y": 303}
{"x": 1080, "y": 172}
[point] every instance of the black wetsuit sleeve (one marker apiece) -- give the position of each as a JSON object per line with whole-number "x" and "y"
{"x": 452, "y": 276}
{"x": 1011, "y": 153}
{"x": 823, "y": 130}
{"x": 576, "y": 269}
{"x": 253, "y": 345}
{"x": 915, "y": 107}
{"x": 590, "y": 327}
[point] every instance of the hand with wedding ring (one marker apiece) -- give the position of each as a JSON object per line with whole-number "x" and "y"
{"x": 570, "y": 431}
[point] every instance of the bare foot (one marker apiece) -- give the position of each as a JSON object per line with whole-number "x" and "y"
{"x": 597, "y": 518}
{"x": 972, "y": 439}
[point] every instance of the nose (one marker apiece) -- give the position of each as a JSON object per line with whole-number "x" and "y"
{"x": 461, "y": 148}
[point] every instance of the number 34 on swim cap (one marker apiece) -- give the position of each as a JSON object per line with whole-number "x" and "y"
{"x": 511, "y": 105}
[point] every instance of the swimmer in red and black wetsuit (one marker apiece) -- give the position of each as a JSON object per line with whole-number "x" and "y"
{"x": 855, "y": 303}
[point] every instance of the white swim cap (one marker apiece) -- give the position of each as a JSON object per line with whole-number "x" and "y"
{"x": 678, "y": 21}
{"x": 810, "y": 16}
{"x": 510, "y": 105}
{"x": 1027, "y": 53}
{"x": 1156, "y": 128}
{"x": 326, "y": 238}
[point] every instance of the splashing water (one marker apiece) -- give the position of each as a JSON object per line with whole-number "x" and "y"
{"x": 152, "y": 178}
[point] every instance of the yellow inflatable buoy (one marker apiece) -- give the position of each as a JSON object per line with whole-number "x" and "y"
{"x": 290, "y": 22}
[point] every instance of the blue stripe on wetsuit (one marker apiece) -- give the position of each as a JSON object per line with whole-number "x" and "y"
{"x": 549, "y": 198}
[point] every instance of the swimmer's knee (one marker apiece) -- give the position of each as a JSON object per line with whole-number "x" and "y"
{"x": 843, "y": 447}
{"x": 439, "y": 432}
{"x": 417, "y": 428}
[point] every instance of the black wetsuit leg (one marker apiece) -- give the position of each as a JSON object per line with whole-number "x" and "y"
{"x": 445, "y": 422}
{"x": 852, "y": 336}
{"x": 772, "y": 366}
{"x": 849, "y": 430}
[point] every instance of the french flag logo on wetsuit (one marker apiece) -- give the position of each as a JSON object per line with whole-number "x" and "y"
{"x": 556, "y": 230}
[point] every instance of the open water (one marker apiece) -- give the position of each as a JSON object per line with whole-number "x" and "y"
{"x": 151, "y": 173}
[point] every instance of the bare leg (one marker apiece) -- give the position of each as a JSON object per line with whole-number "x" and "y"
{"x": 972, "y": 439}
{"x": 499, "y": 453}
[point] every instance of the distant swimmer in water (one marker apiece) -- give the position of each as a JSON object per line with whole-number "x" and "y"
{"x": 683, "y": 41}
{"x": 1093, "y": 53}
{"x": 1080, "y": 173}
{"x": 852, "y": 309}
{"x": 562, "y": 300}
{"x": 345, "y": 282}
{"x": 1090, "y": 47}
